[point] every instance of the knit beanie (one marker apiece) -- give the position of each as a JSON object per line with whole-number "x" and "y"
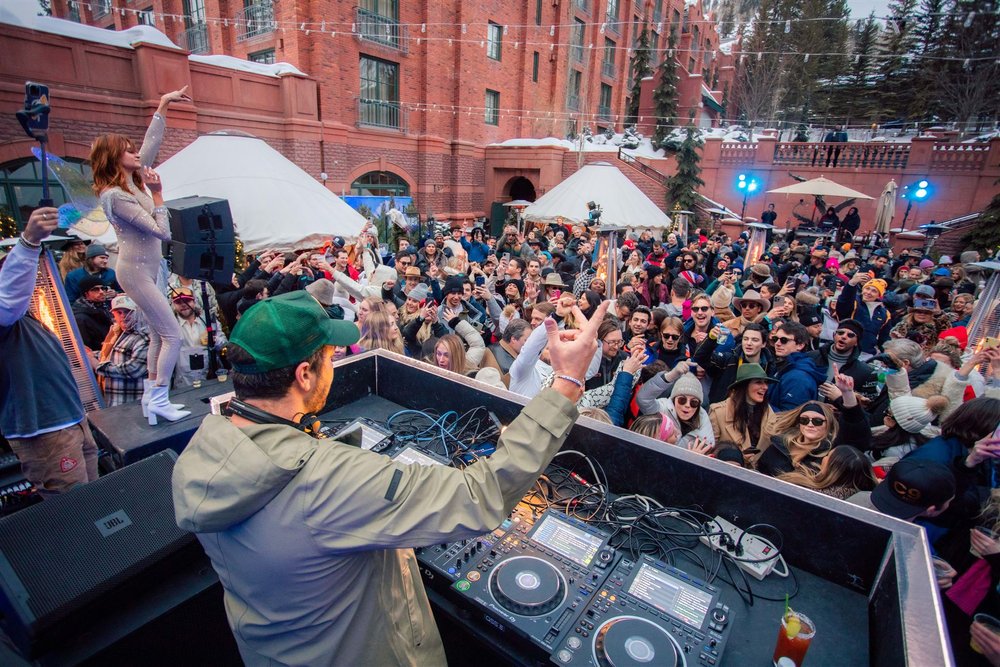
{"x": 687, "y": 385}
{"x": 722, "y": 297}
{"x": 878, "y": 284}
{"x": 914, "y": 414}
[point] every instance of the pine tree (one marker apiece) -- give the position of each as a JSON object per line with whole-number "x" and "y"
{"x": 640, "y": 70}
{"x": 893, "y": 86}
{"x": 682, "y": 187}
{"x": 985, "y": 234}
{"x": 967, "y": 87}
{"x": 665, "y": 98}
{"x": 853, "y": 96}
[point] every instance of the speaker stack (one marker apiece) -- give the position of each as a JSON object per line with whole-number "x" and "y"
{"x": 203, "y": 243}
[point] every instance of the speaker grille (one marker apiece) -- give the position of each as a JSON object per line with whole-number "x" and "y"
{"x": 61, "y": 557}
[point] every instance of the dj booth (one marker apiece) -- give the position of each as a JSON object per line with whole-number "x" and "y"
{"x": 556, "y": 585}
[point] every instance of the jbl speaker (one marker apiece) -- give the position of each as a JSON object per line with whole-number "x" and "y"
{"x": 208, "y": 261}
{"x": 195, "y": 220}
{"x": 69, "y": 560}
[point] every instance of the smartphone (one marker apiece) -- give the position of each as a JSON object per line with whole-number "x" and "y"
{"x": 34, "y": 118}
{"x": 991, "y": 343}
{"x": 480, "y": 281}
{"x": 556, "y": 293}
{"x": 506, "y": 257}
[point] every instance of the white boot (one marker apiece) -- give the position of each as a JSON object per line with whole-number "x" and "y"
{"x": 146, "y": 384}
{"x": 159, "y": 406}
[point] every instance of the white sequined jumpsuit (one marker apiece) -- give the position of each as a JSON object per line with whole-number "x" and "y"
{"x": 141, "y": 228}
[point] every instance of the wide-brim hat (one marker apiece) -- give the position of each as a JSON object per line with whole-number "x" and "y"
{"x": 553, "y": 280}
{"x": 753, "y": 295}
{"x": 747, "y": 372}
{"x": 412, "y": 272}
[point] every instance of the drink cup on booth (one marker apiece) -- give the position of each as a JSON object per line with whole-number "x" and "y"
{"x": 794, "y": 636}
{"x": 222, "y": 375}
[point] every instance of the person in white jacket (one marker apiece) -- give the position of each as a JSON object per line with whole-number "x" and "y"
{"x": 531, "y": 369}
{"x": 684, "y": 402}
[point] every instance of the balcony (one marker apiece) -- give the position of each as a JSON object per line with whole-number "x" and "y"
{"x": 383, "y": 114}
{"x": 608, "y": 69}
{"x": 382, "y": 30}
{"x": 194, "y": 39}
{"x": 255, "y": 20}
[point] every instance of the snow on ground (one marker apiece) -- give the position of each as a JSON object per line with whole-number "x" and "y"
{"x": 24, "y": 14}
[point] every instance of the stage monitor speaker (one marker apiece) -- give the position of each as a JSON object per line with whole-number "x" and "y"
{"x": 207, "y": 261}
{"x": 67, "y": 561}
{"x": 196, "y": 220}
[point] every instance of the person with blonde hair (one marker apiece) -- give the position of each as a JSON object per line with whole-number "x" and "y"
{"x": 449, "y": 354}
{"x": 380, "y": 332}
{"x": 807, "y": 434}
{"x": 844, "y": 472}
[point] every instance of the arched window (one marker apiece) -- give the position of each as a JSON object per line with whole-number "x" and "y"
{"x": 21, "y": 188}
{"x": 380, "y": 184}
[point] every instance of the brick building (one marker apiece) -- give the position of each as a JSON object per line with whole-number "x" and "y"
{"x": 410, "y": 94}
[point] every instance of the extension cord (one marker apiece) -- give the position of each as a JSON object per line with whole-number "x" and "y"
{"x": 753, "y": 548}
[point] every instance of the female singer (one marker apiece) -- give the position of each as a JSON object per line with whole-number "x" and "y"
{"x": 121, "y": 178}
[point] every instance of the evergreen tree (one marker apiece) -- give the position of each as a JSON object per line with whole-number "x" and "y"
{"x": 640, "y": 69}
{"x": 893, "y": 86}
{"x": 665, "y": 98}
{"x": 853, "y": 95}
{"x": 928, "y": 44}
{"x": 985, "y": 234}
{"x": 682, "y": 187}
{"x": 968, "y": 86}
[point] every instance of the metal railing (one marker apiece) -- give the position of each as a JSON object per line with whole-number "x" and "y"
{"x": 194, "y": 39}
{"x": 380, "y": 113}
{"x": 255, "y": 20}
{"x": 842, "y": 155}
{"x": 101, "y": 8}
{"x": 608, "y": 69}
{"x": 643, "y": 168}
{"x": 380, "y": 29}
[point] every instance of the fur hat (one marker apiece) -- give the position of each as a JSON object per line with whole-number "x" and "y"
{"x": 687, "y": 385}
{"x": 761, "y": 269}
{"x": 914, "y": 414}
{"x": 807, "y": 298}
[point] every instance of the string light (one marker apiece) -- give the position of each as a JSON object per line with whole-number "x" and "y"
{"x": 308, "y": 26}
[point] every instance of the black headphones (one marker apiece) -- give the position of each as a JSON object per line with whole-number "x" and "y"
{"x": 310, "y": 423}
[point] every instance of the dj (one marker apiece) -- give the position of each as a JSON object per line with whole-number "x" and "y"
{"x": 313, "y": 539}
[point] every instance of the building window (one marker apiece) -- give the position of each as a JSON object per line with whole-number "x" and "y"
{"x": 378, "y": 21}
{"x": 657, "y": 11}
{"x": 100, "y": 8}
{"x": 265, "y": 57}
{"x": 538, "y": 12}
{"x": 194, "y": 13}
{"x": 494, "y": 36}
{"x": 379, "y": 101}
{"x": 492, "y": 107}
{"x": 74, "y": 11}
{"x": 611, "y": 14}
{"x": 654, "y": 49}
{"x": 608, "y": 66}
{"x": 690, "y": 65}
{"x": 573, "y": 94}
{"x": 255, "y": 19}
{"x": 380, "y": 184}
{"x": 145, "y": 17}
{"x": 582, "y": 5}
{"x": 534, "y": 66}
{"x": 21, "y": 188}
{"x": 604, "y": 106}
{"x": 576, "y": 50}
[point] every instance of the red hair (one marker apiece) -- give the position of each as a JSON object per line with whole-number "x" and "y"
{"x": 105, "y": 161}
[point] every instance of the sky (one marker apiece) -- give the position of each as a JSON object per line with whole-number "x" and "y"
{"x": 862, "y": 8}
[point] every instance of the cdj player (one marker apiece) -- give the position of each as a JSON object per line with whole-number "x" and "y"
{"x": 648, "y": 613}
{"x": 535, "y": 581}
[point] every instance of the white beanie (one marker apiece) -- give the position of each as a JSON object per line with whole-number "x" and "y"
{"x": 687, "y": 385}
{"x": 491, "y": 376}
{"x": 914, "y": 414}
{"x": 381, "y": 275}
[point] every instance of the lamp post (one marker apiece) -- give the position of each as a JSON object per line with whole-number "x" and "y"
{"x": 917, "y": 192}
{"x": 747, "y": 185}
{"x": 932, "y": 232}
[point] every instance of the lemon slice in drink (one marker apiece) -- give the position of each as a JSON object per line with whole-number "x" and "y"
{"x": 792, "y": 625}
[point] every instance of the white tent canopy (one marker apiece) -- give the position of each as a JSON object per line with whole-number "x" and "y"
{"x": 275, "y": 204}
{"x": 622, "y": 202}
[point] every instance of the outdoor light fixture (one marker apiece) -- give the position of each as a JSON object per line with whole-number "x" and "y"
{"x": 758, "y": 241}
{"x": 609, "y": 239}
{"x": 747, "y": 185}
{"x": 915, "y": 192}
{"x": 985, "y": 320}
{"x": 682, "y": 225}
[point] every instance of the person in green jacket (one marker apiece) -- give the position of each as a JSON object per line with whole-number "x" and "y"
{"x": 313, "y": 539}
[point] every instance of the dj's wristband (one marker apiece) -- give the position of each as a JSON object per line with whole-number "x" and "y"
{"x": 573, "y": 380}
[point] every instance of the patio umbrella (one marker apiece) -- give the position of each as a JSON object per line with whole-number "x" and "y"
{"x": 820, "y": 187}
{"x": 886, "y": 208}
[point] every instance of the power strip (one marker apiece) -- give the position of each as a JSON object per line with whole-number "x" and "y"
{"x": 753, "y": 550}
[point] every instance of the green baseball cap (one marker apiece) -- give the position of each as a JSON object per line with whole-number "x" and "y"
{"x": 285, "y": 330}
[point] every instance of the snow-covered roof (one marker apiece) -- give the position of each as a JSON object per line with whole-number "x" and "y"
{"x": 24, "y": 14}
{"x": 545, "y": 141}
{"x": 708, "y": 93}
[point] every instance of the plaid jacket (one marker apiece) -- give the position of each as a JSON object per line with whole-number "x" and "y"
{"x": 122, "y": 374}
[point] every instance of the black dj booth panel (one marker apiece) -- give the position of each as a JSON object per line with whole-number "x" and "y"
{"x": 863, "y": 578}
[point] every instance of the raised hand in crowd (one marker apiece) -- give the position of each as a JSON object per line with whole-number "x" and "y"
{"x": 41, "y": 223}
{"x": 174, "y": 96}
{"x": 571, "y": 351}
{"x": 634, "y": 362}
{"x": 700, "y": 446}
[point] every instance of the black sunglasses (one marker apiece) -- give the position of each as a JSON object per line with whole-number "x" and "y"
{"x": 815, "y": 421}
{"x": 700, "y": 309}
{"x": 784, "y": 340}
{"x": 684, "y": 400}
{"x": 671, "y": 336}
{"x": 846, "y": 332}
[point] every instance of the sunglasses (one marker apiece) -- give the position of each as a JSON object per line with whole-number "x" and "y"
{"x": 685, "y": 400}
{"x": 671, "y": 336}
{"x": 700, "y": 309}
{"x": 846, "y": 332}
{"x": 750, "y": 304}
{"x": 815, "y": 421}
{"x": 784, "y": 340}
